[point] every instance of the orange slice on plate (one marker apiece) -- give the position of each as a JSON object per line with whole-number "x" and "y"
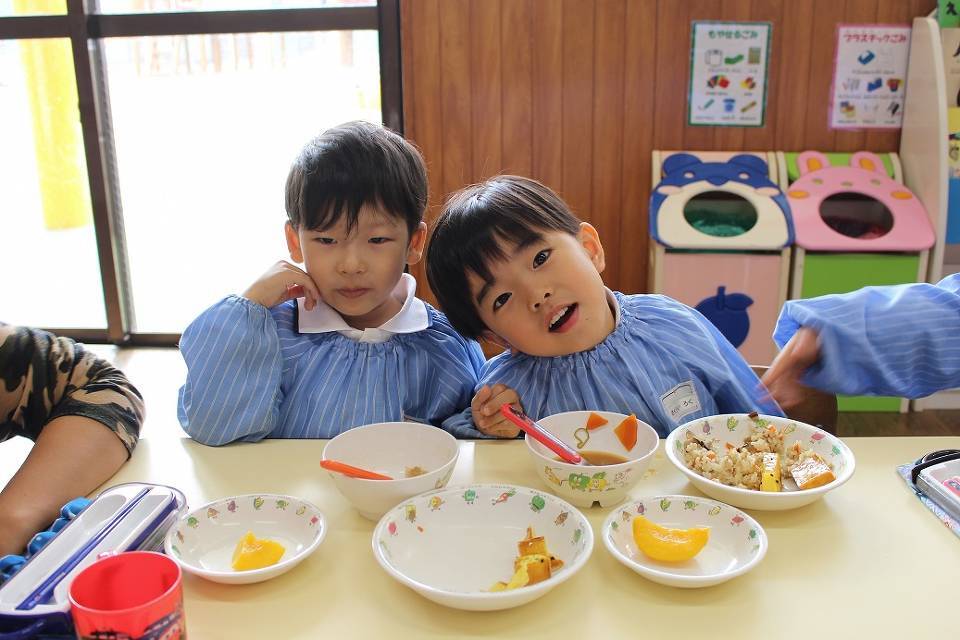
{"x": 594, "y": 420}
{"x": 668, "y": 545}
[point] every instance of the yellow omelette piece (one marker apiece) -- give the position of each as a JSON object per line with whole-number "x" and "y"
{"x": 668, "y": 545}
{"x": 254, "y": 553}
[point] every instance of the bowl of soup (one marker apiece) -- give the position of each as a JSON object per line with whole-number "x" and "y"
{"x": 616, "y": 449}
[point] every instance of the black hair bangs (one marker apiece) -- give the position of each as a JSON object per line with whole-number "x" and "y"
{"x": 479, "y": 226}
{"x": 353, "y": 165}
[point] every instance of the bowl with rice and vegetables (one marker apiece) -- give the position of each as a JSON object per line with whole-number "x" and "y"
{"x": 760, "y": 462}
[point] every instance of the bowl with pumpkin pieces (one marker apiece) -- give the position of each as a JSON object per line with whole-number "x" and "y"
{"x": 684, "y": 541}
{"x": 616, "y": 448}
{"x": 483, "y": 547}
{"x": 759, "y": 462}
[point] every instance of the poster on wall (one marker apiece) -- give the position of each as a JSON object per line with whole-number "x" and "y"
{"x": 950, "y": 39}
{"x": 869, "y": 76}
{"x": 728, "y": 73}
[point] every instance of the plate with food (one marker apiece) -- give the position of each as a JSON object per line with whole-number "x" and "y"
{"x": 483, "y": 547}
{"x": 684, "y": 541}
{"x": 760, "y": 462}
{"x": 248, "y": 538}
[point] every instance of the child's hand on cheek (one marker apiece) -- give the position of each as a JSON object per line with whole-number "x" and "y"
{"x": 486, "y": 411}
{"x": 281, "y": 282}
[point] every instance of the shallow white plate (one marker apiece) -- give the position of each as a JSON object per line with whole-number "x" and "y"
{"x": 452, "y": 545}
{"x": 737, "y": 542}
{"x": 204, "y": 539}
{"x": 733, "y": 429}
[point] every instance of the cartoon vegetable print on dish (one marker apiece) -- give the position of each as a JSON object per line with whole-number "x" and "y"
{"x": 537, "y": 503}
{"x": 469, "y": 496}
{"x": 578, "y": 481}
{"x": 257, "y": 503}
{"x": 627, "y": 432}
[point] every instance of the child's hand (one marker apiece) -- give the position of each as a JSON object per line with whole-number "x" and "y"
{"x": 486, "y": 411}
{"x": 281, "y": 282}
{"x": 782, "y": 379}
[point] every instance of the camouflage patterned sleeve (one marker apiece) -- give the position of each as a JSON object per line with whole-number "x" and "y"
{"x": 46, "y": 377}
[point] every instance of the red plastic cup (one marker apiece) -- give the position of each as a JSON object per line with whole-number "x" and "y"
{"x": 134, "y": 594}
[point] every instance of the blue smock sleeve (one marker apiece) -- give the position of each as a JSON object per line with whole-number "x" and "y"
{"x": 733, "y": 383}
{"x": 896, "y": 340}
{"x": 447, "y": 366}
{"x": 232, "y": 391}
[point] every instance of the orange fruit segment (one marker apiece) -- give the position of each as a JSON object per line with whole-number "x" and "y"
{"x": 594, "y": 420}
{"x": 627, "y": 432}
{"x": 255, "y": 553}
{"x": 668, "y": 545}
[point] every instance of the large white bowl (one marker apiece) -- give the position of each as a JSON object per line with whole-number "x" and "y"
{"x": 452, "y": 545}
{"x": 390, "y": 448}
{"x": 737, "y": 542}
{"x": 582, "y": 485}
{"x": 733, "y": 429}
{"x": 203, "y": 540}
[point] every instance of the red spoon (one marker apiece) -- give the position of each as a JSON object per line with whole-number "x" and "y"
{"x": 541, "y": 435}
{"x": 352, "y": 471}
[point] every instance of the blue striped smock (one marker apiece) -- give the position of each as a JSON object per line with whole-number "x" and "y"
{"x": 899, "y": 340}
{"x": 252, "y": 375}
{"x": 664, "y": 362}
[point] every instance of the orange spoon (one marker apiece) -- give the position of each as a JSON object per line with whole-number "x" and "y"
{"x": 351, "y": 471}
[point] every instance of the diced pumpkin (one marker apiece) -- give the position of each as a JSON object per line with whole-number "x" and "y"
{"x": 595, "y": 420}
{"x": 627, "y": 432}
{"x": 812, "y": 472}
{"x": 770, "y": 479}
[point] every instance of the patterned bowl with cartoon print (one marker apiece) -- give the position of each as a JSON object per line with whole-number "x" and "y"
{"x": 203, "y": 540}
{"x": 452, "y": 545}
{"x": 583, "y": 485}
{"x": 736, "y": 545}
{"x": 733, "y": 429}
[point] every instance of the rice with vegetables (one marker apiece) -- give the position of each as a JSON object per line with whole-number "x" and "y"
{"x": 742, "y": 466}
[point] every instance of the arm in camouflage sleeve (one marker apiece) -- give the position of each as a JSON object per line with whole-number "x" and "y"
{"x": 62, "y": 396}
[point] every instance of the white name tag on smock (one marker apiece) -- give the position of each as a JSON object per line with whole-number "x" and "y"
{"x": 681, "y": 401}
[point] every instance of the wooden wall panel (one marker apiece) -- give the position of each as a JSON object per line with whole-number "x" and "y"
{"x": 516, "y": 35}
{"x": 638, "y": 109}
{"x": 577, "y": 93}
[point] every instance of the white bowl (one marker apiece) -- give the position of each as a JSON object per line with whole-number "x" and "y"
{"x": 203, "y": 540}
{"x": 733, "y": 429}
{"x": 390, "y": 448}
{"x": 582, "y": 485}
{"x": 737, "y": 542}
{"x": 452, "y": 545}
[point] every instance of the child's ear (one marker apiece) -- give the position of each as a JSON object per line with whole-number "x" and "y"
{"x": 490, "y": 336}
{"x": 293, "y": 243}
{"x": 417, "y": 240}
{"x": 590, "y": 241}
